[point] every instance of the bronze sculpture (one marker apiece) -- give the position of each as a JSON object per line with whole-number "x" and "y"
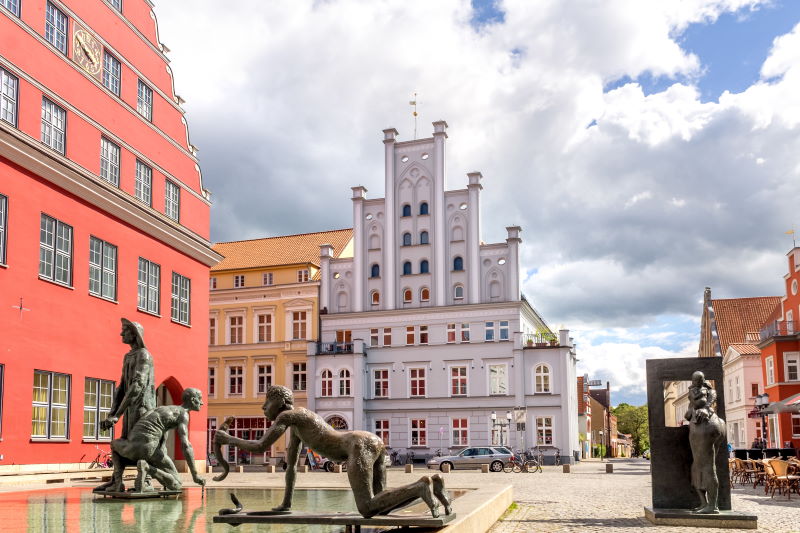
{"x": 706, "y": 436}
{"x": 363, "y": 452}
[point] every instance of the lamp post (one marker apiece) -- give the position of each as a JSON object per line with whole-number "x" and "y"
{"x": 499, "y": 423}
{"x": 761, "y": 403}
{"x": 600, "y": 450}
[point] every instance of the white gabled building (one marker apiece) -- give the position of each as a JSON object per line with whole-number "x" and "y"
{"x": 424, "y": 332}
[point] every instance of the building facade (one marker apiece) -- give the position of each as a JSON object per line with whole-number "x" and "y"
{"x": 430, "y": 322}
{"x": 103, "y": 215}
{"x": 584, "y": 417}
{"x": 263, "y": 310}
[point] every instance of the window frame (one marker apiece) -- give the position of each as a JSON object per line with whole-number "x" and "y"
{"x": 375, "y": 297}
{"x": 299, "y": 325}
{"x": 112, "y": 72}
{"x": 374, "y": 337}
{"x": 238, "y": 281}
{"x": 235, "y": 327}
{"x": 543, "y": 385}
{"x": 408, "y": 296}
{"x": 345, "y": 383}
{"x": 52, "y": 31}
{"x": 491, "y": 388}
{"x": 387, "y": 334}
{"x": 458, "y": 264}
{"x": 98, "y": 412}
{"x": 451, "y": 333}
{"x": 3, "y": 229}
{"x": 423, "y": 335}
{"x": 51, "y": 135}
{"x": 267, "y": 279}
{"x": 421, "y": 431}
{"x": 488, "y": 331}
{"x": 405, "y": 210}
{"x": 407, "y": 268}
{"x": 458, "y": 382}
{"x": 109, "y": 161}
{"x": 172, "y": 200}
{"x": 53, "y": 248}
{"x": 410, "y": 336}
{"x": 381, "y": 383}
{"x": 181, "y": 301}
{"x": 424, "y": 266}
{"x": 417, "y": 380}
{"x": 424, "y": 208}
{"x": 152, "y": 292}
{"x": 264, "y": 330}
{"x": 326, "y": 383}
{"x": 6, "y": 102}
{"x": 103, "y": 269}
{"x": 212, "y": 331}
{"x": 48, "y": 405}
{"x": 464, "y": 332}
{"x": 264, "y": 376}
{"x": 303, "y": 275}
{"x": 375, "y": 271}
{"x": 382, "y": 430}
{"x": 299, "y": 377}
{"x": 769, "y": 365}
{"x": 456, "y": 288}
{"x": 7, "y": 5}
{"x": 459, "y": 433}
{"x": 234, "y": 382}
{"x": 406, "y": 240}
{"x": 505, "y": 332}
{"x": 791, "y": 357}
{"x": 144, "y": 100}
{"x": 542, "y": 429}
{"x": 143, "y": 183}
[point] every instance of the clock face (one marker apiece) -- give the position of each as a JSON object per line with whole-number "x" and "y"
{"x": 87, "y": 52}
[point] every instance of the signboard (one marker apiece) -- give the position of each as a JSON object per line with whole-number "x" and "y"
{"x": 755, "y": 413}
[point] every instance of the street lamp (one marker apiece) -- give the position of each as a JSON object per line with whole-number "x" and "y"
{"x": 761, "y": 403}
{"x": 600, "y": 450}
{"x": 500, "y": 423}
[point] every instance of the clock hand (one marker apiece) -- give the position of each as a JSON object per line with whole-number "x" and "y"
{"x": 86, "y": 50}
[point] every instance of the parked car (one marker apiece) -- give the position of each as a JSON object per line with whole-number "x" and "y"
{"x": 646, "y": 454}
{"x": 494, "y": 456}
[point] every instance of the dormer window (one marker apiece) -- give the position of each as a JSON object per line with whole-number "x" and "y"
{"x": 406, "y": 210}
{"x": 423, "y": 208}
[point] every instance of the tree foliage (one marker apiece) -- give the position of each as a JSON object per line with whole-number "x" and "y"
{"x": 632, "y": 420}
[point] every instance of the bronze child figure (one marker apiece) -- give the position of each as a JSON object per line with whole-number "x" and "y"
{"x": 363, "y": 452}
{"x": 706, "y": 436}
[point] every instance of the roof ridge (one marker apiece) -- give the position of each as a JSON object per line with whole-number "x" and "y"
{"x": 743, "y": 298}
{"x": 283, "y": 236}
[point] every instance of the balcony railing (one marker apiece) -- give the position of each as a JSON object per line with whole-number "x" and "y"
{"x": 539, "y": 340}
{"x": 779, "y": 328}
{"x": 333, "y": 348}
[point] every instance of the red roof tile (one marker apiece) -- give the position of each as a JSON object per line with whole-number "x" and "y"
{"x": 735, "y": 317}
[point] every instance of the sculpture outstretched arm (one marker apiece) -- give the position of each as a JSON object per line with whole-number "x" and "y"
{"x": 270, "y": 437}
{"x": 292, "y": 454}
{"x": 188, "y": 451}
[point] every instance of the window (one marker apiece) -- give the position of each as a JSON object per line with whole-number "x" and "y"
{"x": 406, "y": 210}
{"x": 382, "y": 431}
{"x": 181, "y": 294}
{"x": 458, "y": 381}
{"x": 458, "y": 292}
{"x": 458, "y": 264}
{"x": 344, "y": 382}
{"x": 410, "y": 335}
{"x": 55, "y": 28}
{"x": 298, "y": 325}
{"x": 11, "y": 5}
{"x": 172, "y": 201}
{"x": 327, "y": 383}
{"x": 3, "y": 223}
{"x": 375, "y": 271}
{"x": 423, "y": 334}
{"x": 739, "y": 388}
{"x": 406, "y": 239}
{"x": 373, "y": 336}
{"x": 109, "y": 161}
{"x": 54, "y": 125}
{"x": 498, "y": 379}
{"x": 407, "y": 296}
{"x": 423, "y": 238}
{"x": 417, "y": 382}
{"x": 55, "y": 250}
{"x": 299, "y": 376}
{"x": 451, "y": 333}
{"x": 425, "y": 294}
{"x": 380, "y": 379}
{"x": 387, "y": 336}
{"x": 212, "y": 331}
{"x": 544, "y": 430}
{"x": 238, "y": 281}
{"x": 50, "y": 417}
{"x": 770, "y": 370}
{"x": 212, "y": 283}
{"x": 423, "y": 208}
{"x": 111, "y": 72}
{"x": 144, "y": 101}
{"x": 375, "y": 297}
{"x": 235, "y": 330}
{"x": 302, "y": 275}
{"x": 460, "y": 431}
{"x": 102, "y": 269}
{"x": 753, "y": 390}
{"x": 542, "y": 379}
{"x": 235, "y": 380}
{"x": 407, "y": 268}
{"x": 148, "y": 286}
{"x": 117, "y": 4}
{"x": 464, "y": 332}
{"x": 504, "y": 330}
{"x": 792, "y": 363}
{"x": 795, "y": 426}
{"x": 97, "y": 395}
{"x": 8, "y": 96}
{"x": 424, "y": 266}
{"x": 266, "y": 279}
{"x": 211, "y": 429}
{"x": 263, "y": 378}
{"x": 489, "y": 335}
{"x": 144, "y": 183}
{"x": 264, "y": 327}
{"x": 419, "y": 432}
{"x": 212, "y": 381}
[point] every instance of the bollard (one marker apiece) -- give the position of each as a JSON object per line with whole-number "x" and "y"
{"x": 209, "y": 469}
{"x": 270, "y": 469}
{"x": 609, "y": 468}
{"x": 240, "y": 469}
{"x": 337, "y": 469}
{"x": 565, "y": 469}
{"x": 409, "y": 469}
{"x": 304, "y": 468}
{"x": 485, "y": 469}
{"x": 445, "y": 468}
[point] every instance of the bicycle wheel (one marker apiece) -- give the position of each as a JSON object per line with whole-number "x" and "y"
{"x": 517, "y": 468}
{"x": 508, "y": 467}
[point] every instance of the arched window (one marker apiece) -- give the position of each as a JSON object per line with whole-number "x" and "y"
{"x": 458, "y": 264}
{"x": 458, "y": 292}
{"x": 338, "y": 423}
{"x": 344, "y": 382}
{"x": 375, "y": 297}
{"x": 407, "y": 268}
{"x": 406, "y": 210}
{"x": 327, "y": 383}
{"x": 423, "y": 237}
{"x": 406, "y": 239}
{"x": 423, "y": 208}
{"x": 407, "y": 296}
{"x": 542, "y": 378}
{"x": 375, "y": 271}
{"x": 423, "y": 266}
{"x": 425, "y": 294}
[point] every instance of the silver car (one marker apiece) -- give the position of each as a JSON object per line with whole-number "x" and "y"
{"x": 494, "y": 456}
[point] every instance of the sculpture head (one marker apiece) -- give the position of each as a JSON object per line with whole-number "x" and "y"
{"x": 279, "y": 399}
{"x": 698, "y": 378}
{"x": 132, "y": 333}
{"x": 192, "y": 399}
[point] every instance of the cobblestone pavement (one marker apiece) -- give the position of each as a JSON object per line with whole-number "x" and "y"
{"x": 588, "y": 499}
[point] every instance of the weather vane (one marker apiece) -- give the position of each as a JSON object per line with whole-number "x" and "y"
{"x": 791, "y": 232}
{"x": 413, "y": 103}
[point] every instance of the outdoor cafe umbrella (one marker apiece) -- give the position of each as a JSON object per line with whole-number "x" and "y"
{"x": 787, "y": 405}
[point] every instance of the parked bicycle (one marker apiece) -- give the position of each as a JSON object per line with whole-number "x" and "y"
{"x": 533, "y": 461}
{"x": 103, "y": 459}
{"x": 515, "y": 464}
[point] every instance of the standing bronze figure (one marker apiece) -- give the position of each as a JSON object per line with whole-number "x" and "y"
{"x": 363, "y": 451}
{"x": 706, "y": 436}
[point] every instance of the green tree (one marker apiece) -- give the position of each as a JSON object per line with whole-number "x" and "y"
{"x": 632, "y": 420}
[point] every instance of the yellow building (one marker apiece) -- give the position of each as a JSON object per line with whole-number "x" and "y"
{"x": 263, "y": 310}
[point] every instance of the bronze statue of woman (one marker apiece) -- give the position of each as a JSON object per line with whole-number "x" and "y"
{"x": 706, "y": 436}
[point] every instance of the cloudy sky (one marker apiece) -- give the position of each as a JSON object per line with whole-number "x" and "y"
{"x": 648, "y": 148}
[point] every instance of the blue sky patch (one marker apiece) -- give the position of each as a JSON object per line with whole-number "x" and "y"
{"x": 486, "y": 12}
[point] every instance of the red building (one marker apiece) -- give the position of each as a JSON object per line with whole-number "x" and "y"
{"x": 102, "y": 215}
{"x": 780, "y": 357}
